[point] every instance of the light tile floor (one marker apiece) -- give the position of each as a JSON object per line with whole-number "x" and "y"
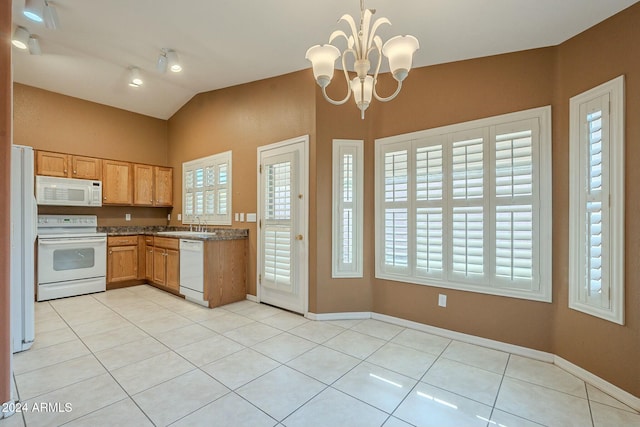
{"x": 141, "y": 357}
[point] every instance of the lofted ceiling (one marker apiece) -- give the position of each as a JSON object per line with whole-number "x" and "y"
{"x": 223, "y": 43}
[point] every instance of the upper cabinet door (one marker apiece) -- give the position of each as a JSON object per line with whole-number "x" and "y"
{"x": 142, "y": 185}
{"x": 52, "y": 164}
{"x": 117, "y": 183}
{"x": 86, "y": 168}
{"x": 163, "y": 186}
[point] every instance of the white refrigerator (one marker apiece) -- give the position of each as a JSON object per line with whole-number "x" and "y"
{"x": 24, "y": 216}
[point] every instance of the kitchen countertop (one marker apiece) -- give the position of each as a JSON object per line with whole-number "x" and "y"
{"x": 220, "y": 233}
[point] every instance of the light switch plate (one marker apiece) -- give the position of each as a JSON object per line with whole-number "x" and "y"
{"x": 127, "y": 217}
{"x": 179, "y": 217}
{"x": 237, "y": 217}
{"x": 251, "y": 217}
{"x": 442, "y": 300}
{"x": 241, "y": 216}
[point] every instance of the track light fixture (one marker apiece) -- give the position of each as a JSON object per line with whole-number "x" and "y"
{"x": 34, "y": 46}
{"x": 33, "y": 9}
{"x": 50, "y": 16}
{"x": 135, "y": 80}
{"x": 168, "y": 58}
{"x": 174, "y": 62}
{"x": 20, "y": 38}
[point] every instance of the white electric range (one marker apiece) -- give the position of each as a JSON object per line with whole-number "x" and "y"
{"x": 72, "y": 256}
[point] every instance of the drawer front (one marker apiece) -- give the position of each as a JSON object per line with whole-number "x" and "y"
{"x": 148, "y": 240}
{"x": 166, "y": 242}
{"x": 122, "y": 240}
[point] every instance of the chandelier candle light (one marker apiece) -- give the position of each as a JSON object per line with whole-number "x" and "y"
{"x": 399, "y": 51}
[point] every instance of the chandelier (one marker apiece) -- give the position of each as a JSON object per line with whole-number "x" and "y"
{"x": 361, "y": 43}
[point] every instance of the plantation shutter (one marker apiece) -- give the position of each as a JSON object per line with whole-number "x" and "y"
{"x": 278, "y": 223}
{"x": 429, "y": 205}
{"x": 207, "y": 190}
{"x": 513, "y": 204}
{"x": 467, "y": 192}
{"x": 595, "y": 133}
{"x": 396, "y": 210}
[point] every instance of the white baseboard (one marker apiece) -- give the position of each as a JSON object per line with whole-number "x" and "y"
{"x": 357, "y": 315}
{"x": 471, "y": 339}
{"x": 252, "y": 298}
{"x": 612, "y": 390}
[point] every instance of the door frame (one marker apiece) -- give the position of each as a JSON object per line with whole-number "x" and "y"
{"x": 303, "y": 265}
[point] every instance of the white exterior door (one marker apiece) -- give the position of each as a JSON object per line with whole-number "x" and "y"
{"x": 283, "y": 224}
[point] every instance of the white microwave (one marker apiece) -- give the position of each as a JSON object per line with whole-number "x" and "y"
{"x": 68, "y": 191}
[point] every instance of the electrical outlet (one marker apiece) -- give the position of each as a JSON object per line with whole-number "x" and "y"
{"x": 168, "y": 217}
{"x": 241, "y": 216}
{"x": 127, "y": 217}
{"x": 237, "y": 217}
{"x": 442, "y": 300}
{"x": 179, "y": 217}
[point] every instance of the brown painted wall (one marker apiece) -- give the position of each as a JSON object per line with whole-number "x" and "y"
{"x": 467, "y": 90}
{"x": 241, "y": 119}
{"x": 5, "y": 199}
{"x": 50, "y": 121}
{"x": 454, "y": 93}
{"x": 598, "y": 55}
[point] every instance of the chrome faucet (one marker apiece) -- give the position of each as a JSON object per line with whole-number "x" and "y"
{"x": 199, "y": 226}
{"x": 205, "y": 225}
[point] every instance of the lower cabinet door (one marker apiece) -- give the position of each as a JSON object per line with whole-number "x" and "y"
{"x": 173, "y": 269}
{"x": 122, "y": 263}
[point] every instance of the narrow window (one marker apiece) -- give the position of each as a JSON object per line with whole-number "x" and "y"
{"x": 348, "y": 175}
{"x": 596, "y": 222}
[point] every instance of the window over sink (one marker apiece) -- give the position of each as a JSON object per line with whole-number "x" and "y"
{"x": 206, "y": 190}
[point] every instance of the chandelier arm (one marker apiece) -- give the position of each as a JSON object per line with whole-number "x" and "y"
{"x": 346, "y": 77}
{"x": 388, "y": 98}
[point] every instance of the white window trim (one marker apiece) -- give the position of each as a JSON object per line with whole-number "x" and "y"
{"x": 355, "y": 268}
{"x": 213, "y": 160}
{"x": 544, "y": 195}
{"x": 616, "y": 172}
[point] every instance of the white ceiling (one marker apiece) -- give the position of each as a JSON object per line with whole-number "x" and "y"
{"x": 223, "y": 43}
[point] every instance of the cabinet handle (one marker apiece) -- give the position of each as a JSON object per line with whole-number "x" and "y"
{"x": 75, "y": 172}
{"x": 110, "y": 252}
{"x": 105, "y": 197}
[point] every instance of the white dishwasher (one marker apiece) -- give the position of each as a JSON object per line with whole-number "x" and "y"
{"x": 192, "y": 271}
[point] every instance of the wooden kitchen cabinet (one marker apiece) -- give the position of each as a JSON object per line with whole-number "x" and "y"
{"x": 143, "y": 185}
{"x": 122, "y": 258}
{"x": 225, "y": 271}
{"x": 152, "y": 185}
{"x": 52, "y": 164}
{"x": 68, "y": 166}
{"x": 166, "y": 262}
{"x": 117, "y": 183}
{"x": 163, "y": 186}
{"x": 148, "y": 258}
{"x": 86, "y": 168}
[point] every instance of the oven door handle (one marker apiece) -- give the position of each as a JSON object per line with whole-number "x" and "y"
{"x": 71, "y": 241}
